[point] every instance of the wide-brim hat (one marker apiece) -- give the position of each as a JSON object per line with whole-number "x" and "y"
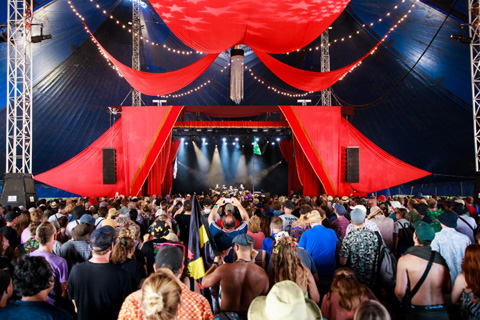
{"x": 285, "y": 301}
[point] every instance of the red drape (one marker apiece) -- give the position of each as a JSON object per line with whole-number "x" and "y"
{"x": 138, "y": 136}
{"x": 286, "y": 147}
{"x": 161, "y": 83}
{"x": 323, "y": 134}
{"x": 155, "y": 177}
{"x": 306, "y": 80}
{"x": 231, "y": 111}
{"x": 311, "y": 185}
{"x": 168, "y": 176}
{"x": 274, "y": 26}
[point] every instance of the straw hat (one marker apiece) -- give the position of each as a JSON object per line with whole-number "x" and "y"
{"x": 285, "y": 301}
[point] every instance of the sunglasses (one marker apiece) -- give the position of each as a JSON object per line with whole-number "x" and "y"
{"x": 159, "y": 246}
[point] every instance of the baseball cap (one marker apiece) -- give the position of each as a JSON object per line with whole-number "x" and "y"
{"x": 244, "y": 240}
{"x": 102, "y": 238}
{"x": 223, "y": 241}
{"x": 357, "y": 215}
{"x": 86, "y": 218}
{"x": 360, "y": 207}
{"x": 160, "y": 229}
{"x": 229, "y": 207}
{"x": 289, "y": 205}
{"x": 424, "y": 231}
{"x": 11, "y": 216}
{"x": 340, "y": 209}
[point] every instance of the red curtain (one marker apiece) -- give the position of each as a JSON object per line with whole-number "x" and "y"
{"x": 138, "y": 136}
{"x": 312, "y": 186}
{"x": 231, "y": 111}
{"x": 168, "y": 175}
{"x": 286, "y": 147}
{"x": 155, "y": 177}
{"x": 273, "y": 26}
{"x": 307, "y": 80}
{"x": 154, "y": 84}
{"x": 323, "y": 134}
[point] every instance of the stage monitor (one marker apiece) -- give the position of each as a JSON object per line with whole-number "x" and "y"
{"x": 109, "y": 165}
{"x": 352, "y": 174}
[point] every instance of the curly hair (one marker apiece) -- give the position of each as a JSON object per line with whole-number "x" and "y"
{"x": 254, "y": 224}
{"x": 471, "y": 268}
{"x": 349, "y": 290}
{"x": 122, "y": 249}
{"x": 286, "y": 264}
{"x": 31, "y": 275}
{"x": 161, "y": 293}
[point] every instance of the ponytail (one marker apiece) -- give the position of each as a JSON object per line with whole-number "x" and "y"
{"x": 121, "y": 250}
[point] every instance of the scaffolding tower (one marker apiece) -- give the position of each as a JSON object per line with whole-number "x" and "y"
{"x": 19, "y": 87}
{"x": 136, "y": 30}
{"x": 325, "y": 66}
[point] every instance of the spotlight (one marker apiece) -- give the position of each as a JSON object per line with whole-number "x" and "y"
{"x": 461, "y": 38}
{"x": 233, "y": 143}
{"x": 206, "y": 143}
{"x": 257, "y": 139}
{"x": 278, "y": 139}
{"x": 273, "y": 143}
{"x": 253, "y": 143}
{"x": 182, "y": 139}
{"x": 203, "y": 139}
{"x": 236, "y": 139}
{"x": 186, "y": 143}
{"x": 224, "y": 139}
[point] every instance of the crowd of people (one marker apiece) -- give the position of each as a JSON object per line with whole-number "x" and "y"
{"x": 278, "y": 257}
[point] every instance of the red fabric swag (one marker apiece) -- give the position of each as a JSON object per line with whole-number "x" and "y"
{"x": 286, "y": 147}
{"x": 275, "y": 26}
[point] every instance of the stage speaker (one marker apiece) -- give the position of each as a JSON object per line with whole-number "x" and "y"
{"x": 352, "y": 174}
{"x": 18, "y": 190}
{"x": 109, "y": 166}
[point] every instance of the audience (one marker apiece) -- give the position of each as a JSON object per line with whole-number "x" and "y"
{"x": 107, "y": 258}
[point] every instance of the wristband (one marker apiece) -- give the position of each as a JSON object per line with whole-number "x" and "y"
{"x": 215, "y": 207}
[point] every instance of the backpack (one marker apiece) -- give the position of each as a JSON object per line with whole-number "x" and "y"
{"x": 405, "y": 235}
{"x": 386, "y": 264}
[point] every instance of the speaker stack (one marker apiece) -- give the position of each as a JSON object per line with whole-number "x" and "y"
{"x": 109, "y": 157}
{"x": 352, "y": 173}
{"x": 18, "y": 190}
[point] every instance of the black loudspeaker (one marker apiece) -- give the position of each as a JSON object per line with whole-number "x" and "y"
{"x": 352, "y": 174}
{"x": 18, "y": 190}
{"x": 109, "y": 166}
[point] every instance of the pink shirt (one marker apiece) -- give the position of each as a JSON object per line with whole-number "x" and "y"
{"x": 258, "y": 239}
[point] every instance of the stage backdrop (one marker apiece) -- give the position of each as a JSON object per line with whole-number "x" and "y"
{"x": 142, "y": 138}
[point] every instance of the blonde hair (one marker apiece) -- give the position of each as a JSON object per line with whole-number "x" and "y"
{"x": 350, "y": 291}
{"x": 161, "y": 294}
{"x": 36, "y": 216}
{"x": 254, "y": 224}
{"x": 122, "y": 249}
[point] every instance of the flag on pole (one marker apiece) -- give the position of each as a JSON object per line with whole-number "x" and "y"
{"x": 201, "y": 247}
{"x": 256, "y": 148}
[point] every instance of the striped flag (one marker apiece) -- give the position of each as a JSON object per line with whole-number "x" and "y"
{"x": 201, "y": 247}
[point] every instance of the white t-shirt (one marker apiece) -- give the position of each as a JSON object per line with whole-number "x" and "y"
{"x": 462, "y": 226}
{"x": 70, "y": 227}
{"x": 288, "y": 220}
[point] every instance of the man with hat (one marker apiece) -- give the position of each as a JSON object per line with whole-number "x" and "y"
{"x": 77, "y": 250}
{"x": 450, "y": 243}
{"x": 360, "y": 249}
{"x": 370, "y": 225}
{"x": 320, "y": 243}
{"x": 8, "y": 231}
{"x": 240, "y": 281}
{"x": 98, "y": 287}
{"x": 338, "y": 220}
{"x": 428, "y": 302}
{"x": 77, "y": 213}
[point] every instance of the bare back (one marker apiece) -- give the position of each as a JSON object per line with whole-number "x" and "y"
{"x": 432, "y": 290}
{"x": 241, "y": 282}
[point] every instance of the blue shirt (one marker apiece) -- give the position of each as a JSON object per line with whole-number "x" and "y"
{"x": 321, "y": 243}
{"x": 22, "y": 310}
{"x": 267, "y": 245}
{"x": 451, "y": 244}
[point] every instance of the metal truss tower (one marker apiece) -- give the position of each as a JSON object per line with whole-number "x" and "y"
{"x": 136, "y": 30}
{"x": 474, "y": 24}
{"x": 325, "y": 66}
{"x": 19, "y": 87}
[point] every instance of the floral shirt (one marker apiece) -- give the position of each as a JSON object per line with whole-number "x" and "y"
{"x": 193, "y": 306}
{"x": 451, "y": 244}
{"x": 360, "y": 247}
{"x": 298, "y": 228}
{"x": 470, "y": 305}
{"x": 340, "y": 226}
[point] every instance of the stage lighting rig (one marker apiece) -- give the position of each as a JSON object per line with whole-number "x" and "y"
{"x": 41, "y": 36}
{"x": 461, "y": 38}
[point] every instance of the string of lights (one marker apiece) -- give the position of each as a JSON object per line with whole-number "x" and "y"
{"x": 363, "y": 27}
